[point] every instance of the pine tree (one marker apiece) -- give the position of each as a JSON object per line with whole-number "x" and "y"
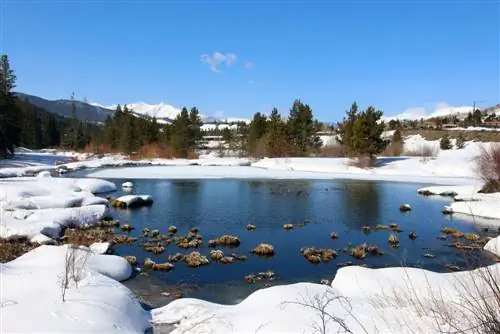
{"x": 180, "y": 133}
{"x": 445, "y": 142}
{"x": 302, "y": 129}
{"x": 10, "y": 116}
{"x": 346, "y": 129}
{"x": 366, "y": 134}
{"x": 276, "y": 135}
{"x": 256, "y": 131}
{"x": 477, "y": 117}
{"x": 128, "y": 138}
{"x": 195, "y": 135}
{"x": 460, "y": 143}
{"x": 52, "y": 135}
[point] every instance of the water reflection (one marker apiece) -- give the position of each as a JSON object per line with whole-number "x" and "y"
{"x": 360, "y": 204}
{"x": 219, "y": 207}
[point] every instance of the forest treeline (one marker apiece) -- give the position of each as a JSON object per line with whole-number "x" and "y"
{"x": 276, "y": 135}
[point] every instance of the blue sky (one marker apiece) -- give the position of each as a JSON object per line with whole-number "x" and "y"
{"x": 391, "y": 54}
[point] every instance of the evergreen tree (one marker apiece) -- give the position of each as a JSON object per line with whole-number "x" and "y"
{"x": 445, "y": 142}
{"x": 460, "y": 143}
{"x": 346, "y": 129}
{"x": 367, "y": 133}
{"x": 32, "y": 129}
{"x": 477, "y": 117}
{"x": 52, "y": 135}
{"x": 302, "y": 129}
{"x": 10, "y": 117}
{"x": 195, "y": 135}
{"x": 276, "y": 135}
{"x": 256, "y": 131}
{"x": 128, "y": 140}
{"x": 181, "y": 133}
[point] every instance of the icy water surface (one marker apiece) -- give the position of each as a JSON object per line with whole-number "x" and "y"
{"x": 218, "y": 207}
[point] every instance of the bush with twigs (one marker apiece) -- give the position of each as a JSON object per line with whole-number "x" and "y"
{"x": 73, "y": 269}
{"x": 488, "y": 167}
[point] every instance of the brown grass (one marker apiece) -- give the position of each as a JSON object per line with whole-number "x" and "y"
{"x": 394, "y": 149}
{"x": 331, "y": 151}
{"x": 154, "y": 150}
{"x": 363, "y": 162}
{"x": 12, "y": 249}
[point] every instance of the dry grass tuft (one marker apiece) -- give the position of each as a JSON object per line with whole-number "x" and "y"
{"x": 263, "y": 249}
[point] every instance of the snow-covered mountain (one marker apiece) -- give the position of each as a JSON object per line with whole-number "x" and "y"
{"x": 165, "y": 113}
{"x": 441, "y": 110}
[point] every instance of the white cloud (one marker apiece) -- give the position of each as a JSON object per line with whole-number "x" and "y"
{"x": 249, "y": 65}
{"x": 218, "y": 58}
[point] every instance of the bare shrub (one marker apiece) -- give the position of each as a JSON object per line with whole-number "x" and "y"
{"x": 331, "y": 151}
{"x": 394, "y": 149}
{"x": 154, "y": 150}
{"x": 73, "y": 270}
{"x": 320, "y": 304}
{"x": 363, "y": 162}
{"x": 488, "y": 167}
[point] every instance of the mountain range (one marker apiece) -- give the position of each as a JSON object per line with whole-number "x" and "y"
{"x": 441, "y": 110}
{"x": 97, "y": 113}
{"x": 165, "y": 113}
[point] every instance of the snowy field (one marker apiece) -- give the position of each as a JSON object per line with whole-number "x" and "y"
{"x": 389, "y": 300}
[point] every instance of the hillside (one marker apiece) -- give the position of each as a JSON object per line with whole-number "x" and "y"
{"x": 62, "y": 107}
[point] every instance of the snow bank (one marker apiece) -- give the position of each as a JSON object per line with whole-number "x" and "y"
{"x": 371, "y": 300}
{"x": 120, "y": 161}
{"x": 486, "y": 208}
{"x": 462, "y": 192}
{"x": 99, "y": 247}
{"x": 493, "y": 246}
{"x": 20, "y": 171}
{"x": 31, "y": 299}
{"x": 49, "y": 222}
{"x": 39, "y": 207}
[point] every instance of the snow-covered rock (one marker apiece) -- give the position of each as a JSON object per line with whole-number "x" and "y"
{"x": 131, "y": 201}
{"x": 493, "y": 246}
{"x": 99, "y": 247}
{"x": 127, "y": 184}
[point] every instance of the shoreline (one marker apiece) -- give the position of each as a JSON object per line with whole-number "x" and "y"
{"x": 182, "y": 314}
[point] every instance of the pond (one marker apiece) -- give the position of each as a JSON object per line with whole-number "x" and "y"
{"x": 218, "y": 207}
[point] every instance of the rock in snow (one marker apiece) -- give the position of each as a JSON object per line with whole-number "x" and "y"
{"x": 127, "y": 185}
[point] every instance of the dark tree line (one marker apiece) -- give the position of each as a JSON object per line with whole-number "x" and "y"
{"x": 129, "y": 133}
{"x": 10, "y": 116}
{"x": 296, "y": 134}
{"x": 278, "y": 136}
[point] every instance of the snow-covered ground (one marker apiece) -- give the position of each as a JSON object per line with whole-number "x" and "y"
{"x": 95, "y": 302}
{"x": 389, "y": 300}
{"x": 38, "y": 207}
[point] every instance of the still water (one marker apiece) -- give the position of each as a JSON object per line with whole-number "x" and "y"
{"x": 218, "y": 207}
